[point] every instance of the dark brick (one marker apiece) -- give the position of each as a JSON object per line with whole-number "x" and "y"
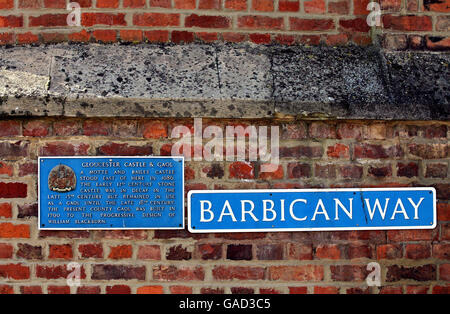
{"x": 178, "y": 253}
{"x": 418, "y": 273}
{"x": 239, "y": 252}
{"x": 28, "y": 251}
{"x": 117, "y": 272}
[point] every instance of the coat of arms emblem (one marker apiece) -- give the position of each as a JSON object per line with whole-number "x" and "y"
{"x": 62, "y": 179}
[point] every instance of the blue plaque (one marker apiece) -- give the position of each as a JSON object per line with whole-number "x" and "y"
{"x": 78, "y": 193}
{"x": 311, "y": 210}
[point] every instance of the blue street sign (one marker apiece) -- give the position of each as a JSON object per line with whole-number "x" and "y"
{"x": 78, "y": 193}
{"x": 311, "y": 210}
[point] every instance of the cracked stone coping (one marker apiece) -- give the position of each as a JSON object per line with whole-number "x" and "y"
{"x": 223, "y": 81}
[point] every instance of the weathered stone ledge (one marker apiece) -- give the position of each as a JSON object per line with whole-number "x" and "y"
{"x": 223, "y": 81}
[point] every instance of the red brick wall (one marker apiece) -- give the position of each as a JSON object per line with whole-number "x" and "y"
{"x": 313, "y": 154}
{"x": 415, "y": 24}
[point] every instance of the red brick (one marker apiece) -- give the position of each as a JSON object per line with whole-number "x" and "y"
{"x": 5, "y": 39}
{"x": 36, "y": 128}
{"x": 64, "y": 149}
{"x": 322, "y": 130}
{"x": 326, "y": 290}
{"x": 184, "y": 4}
{"x": 296, "y": 273}
{"x": 340, "y": 7}
{"x": 298, "y": 290}
{"x": 356, "y": 251}
{"x": 298, "y": 251}
{"x": 337, "y": 40}
{"x": 207, "y": 21}
{"x": 444, "y": 272}
{"x": 182, "y": 37}
{"x": 348, "y": 272}
{"x": 242, "y": 170}
{"x": 82, "y": 36}
{"x": 6, "y": 4}
{"x": 174, "y": 273}
{"x": 269, "y": 291}
{"x": 301, "y": 151}
{"x": 289, "y": 6}
{"x": 325, "y": 171}
{"x": 180, "y": 290}
{"x": 360, "y": 7}
{"x": 5, "y": 210}
{"x": 278, "y": 174}
{"x": 409, "y": 235}
{"x": 5, "y": 289}
{"x": 107, "y": 3}
{"x": 157, "y": 36}
{"x": 441, "y": 251}
{"x": 134, "y": 3}
{"x": 11, "y": 21}
{"x": 355, "y": 25}
{"x": 6, "y": 250}
{"x": 389, "y": 251}
{"x": 374, "y": 151}
{"x": 122, "y": 234}
{"x": 105, "y": 35}
{"x": 154, "y": 130}
{"x": 60, "y": 252}
{"x": 150, "y": 290}
{"x": 234, "y": 37}
{"x": 417, "y": 251}
{"x": 124, "y": 149}
{"x": 48, "y": 20}
{"x": 338, "y": 151}
{"x": 27, "y": 38}
{"x": 210, "y": 251}
{"x": 30, "y": 290}
{"x": 88, "y": 290}
{"x": 58, "y": 290}
{"x": 91, "y": 19}
{"x": 10, "y": 128}
{"x": 260, "y": 22}
{"x": 55, "y": 4}
{"x": 96, "y": 128}
{"x": 315, "y": 6}
{"x": 285, "y": 39}
{"x": 437, "y": 43}
{"x": 299, "y": 170}
{"x": 156, "y": 19}
{"x": 443, "y": 212}
{"x": 118, "y": 289}
{"x": 263, "y": 5}
{"x": 14, "y": 271}
{"x": 407, "y": 23}
{"x": 237, "y": 5}
{"x": 28, "y": 251}
{"x": 161, "y": 3}
{"x": 209, "y": 4}
{"x": 149, "y": 252}
{"x": 269, "y": 251}
{"x": 130, "y": 35}
{"x": 330, "y": 251}
{"x": 437, "y": 6}
{"x": 260, "y": 38}
{"x": 391, "y": 290}
{"x": 441, "y": 290}
{"x": 66, "y": 128}
{"x": 91, "y": 250}
{"x": 351, "y": 171}
{"x": 417, "y": 289}
{"x": 9, "y": 230}
{"x": 28, "y": 168}
{"x": 238, "y": 272}
{"x": 55, "y": 272}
